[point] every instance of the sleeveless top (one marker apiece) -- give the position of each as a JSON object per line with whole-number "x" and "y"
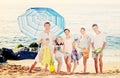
{"x": 84, "y": 42}
{"x": 58, "y": 47}
{"x": 47, "y": 58}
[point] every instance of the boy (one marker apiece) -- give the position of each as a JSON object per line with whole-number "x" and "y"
{"x": 98, "y": 41}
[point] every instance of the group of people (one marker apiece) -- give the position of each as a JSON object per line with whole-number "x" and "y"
{"x": 56, "y": 48}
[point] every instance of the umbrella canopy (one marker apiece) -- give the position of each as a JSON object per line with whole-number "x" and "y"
{"x": 31, "y": 23}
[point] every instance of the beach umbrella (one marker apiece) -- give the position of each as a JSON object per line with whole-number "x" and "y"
{"x": 31, "y": 23}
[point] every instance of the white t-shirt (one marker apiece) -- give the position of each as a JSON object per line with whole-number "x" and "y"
{"x": 45, "y": 35}
{"x": 98, "y": 40}
{"x": 68, "y": 45}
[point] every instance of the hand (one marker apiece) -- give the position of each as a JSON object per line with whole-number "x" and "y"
{"x": 101, "y": 49}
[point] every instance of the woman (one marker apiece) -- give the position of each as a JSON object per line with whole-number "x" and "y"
{"x": 84, "y": 47}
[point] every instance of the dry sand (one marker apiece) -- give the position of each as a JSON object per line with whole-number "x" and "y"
{"x": 19, "y": 69}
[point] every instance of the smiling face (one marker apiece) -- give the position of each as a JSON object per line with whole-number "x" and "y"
{"x": 95, "y": 29}
{"x": 47, "y": 26}
{"x": 82, "y": 31}
{"x": 67, "y": 32}
{"x": 59, "y": 40}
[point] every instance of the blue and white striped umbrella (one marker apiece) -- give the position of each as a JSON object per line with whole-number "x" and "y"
{"x": 31, "y": 23}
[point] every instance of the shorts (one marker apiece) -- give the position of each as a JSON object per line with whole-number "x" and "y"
{"x": 74, "y": 56}
{"x": 59, "y": 56}
{"x": 86, "y": 55}
{"x": 67, "y": 54}
{"x": 94, "y": 55}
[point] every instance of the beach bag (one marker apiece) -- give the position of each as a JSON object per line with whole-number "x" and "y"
{"x": 2, "y": 59}
{"x": 34, "y": 44}
{"x": 52, "y": 67}
{"x": 26, "y": 55}
{"x": 97, "y": 51}
{"x": 8, "y": 54}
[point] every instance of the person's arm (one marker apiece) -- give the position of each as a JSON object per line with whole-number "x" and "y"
{"x": 89, "y": 44}
{"x": 104, "y": 41}
{"x": 103, "y": 46}
{"x": 93, "y": 46}
{"x": 54, "y": 50}
{"x": 63, "y": 46}
{"x": 53, "y": 59}
{"x": 78, "y": 45}
{"x": 40, "y": 39}
{"x": 32, "y": 66}
{"x": 37, "y": 58}
{"x": 73, "y": 45}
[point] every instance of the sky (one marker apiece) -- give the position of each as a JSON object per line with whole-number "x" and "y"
{"x": 16, "y": 7}
{"x": 11, "y": 9}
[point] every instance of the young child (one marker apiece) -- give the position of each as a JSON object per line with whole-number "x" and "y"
{"x": 58, "y": 50}
{"x": 46, "y": 55}
{"x": 74, "y": 56}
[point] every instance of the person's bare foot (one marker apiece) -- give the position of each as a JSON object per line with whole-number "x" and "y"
{"x": 69, "y": 73}
{"x": 46, "y": 70}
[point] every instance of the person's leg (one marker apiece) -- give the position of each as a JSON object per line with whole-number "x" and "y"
{"x": 96, "y": 64}
{"x": 75, "y": 65}
{"x": 65, "y": 58}
{"x": 85, "y": 64}
{"x": 80, "y": 55}
{"x": 59, "y": 65}
{"x": 31, "y": 68}
{"x": 46, "y": 68}
{"x": 101, "y": 63}
{"x": 69, "y": 63}
{"x": 75, "y": 61}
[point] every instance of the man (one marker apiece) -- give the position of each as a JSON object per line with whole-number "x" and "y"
{"x": 98, "y": 41}
{"x": 68, "y": 47}
{"x": 45, "y": 34}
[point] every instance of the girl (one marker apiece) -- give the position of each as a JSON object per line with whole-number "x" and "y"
{"x": 45, "y": 56}
{"x": 84, "y": 47}
{"x": 74, "y": 56}
{"x": 58, "y": 50}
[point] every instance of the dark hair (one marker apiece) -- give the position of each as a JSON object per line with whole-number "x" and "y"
{"x": 94, "y": 25}
{"x": 83, "y": 28}
{"x": 46, "y": 23}
{"x": 56, "y": 43}
{"x": 66, "y": 30}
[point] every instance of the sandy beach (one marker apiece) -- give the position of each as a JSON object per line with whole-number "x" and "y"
{"x": 19, "y": 69}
